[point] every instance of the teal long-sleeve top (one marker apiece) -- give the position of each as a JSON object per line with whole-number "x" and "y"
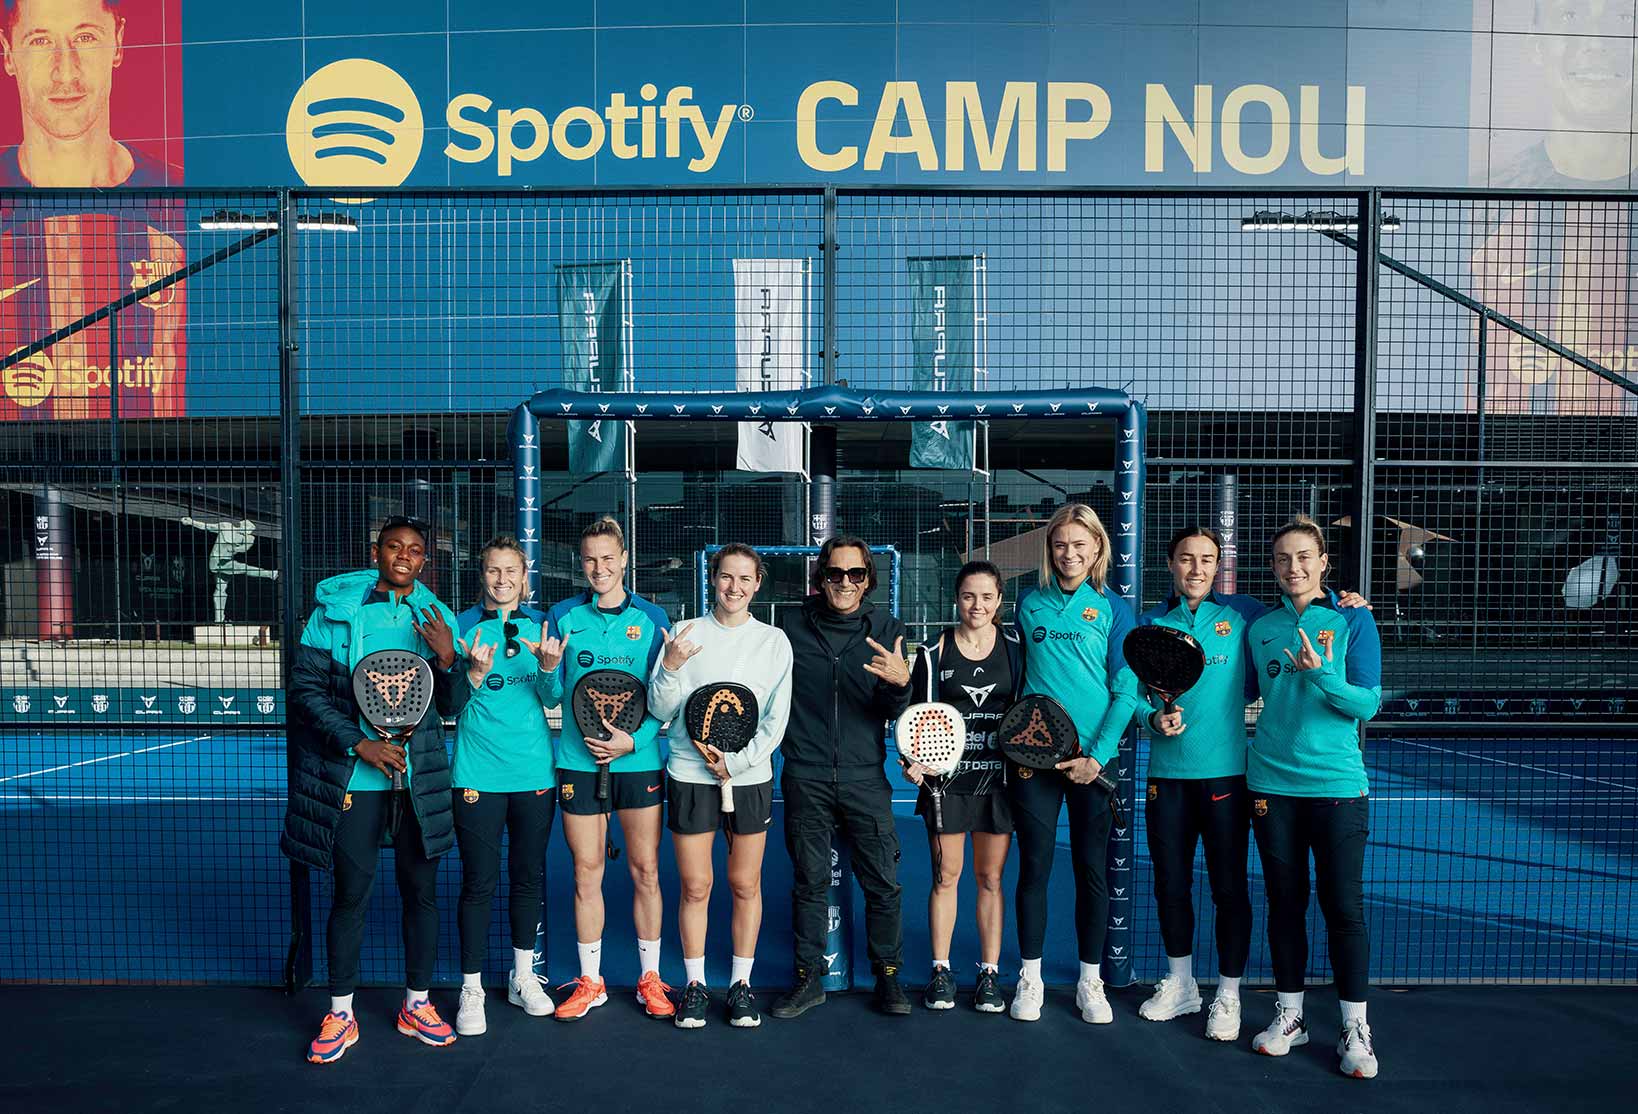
{"x": 1073, "y": 652}
{"x": 502, "y": 743}
{"x": 1213, "y": 742}
{"x": 1307, "y": 741}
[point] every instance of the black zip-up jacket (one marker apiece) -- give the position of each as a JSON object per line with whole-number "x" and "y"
{"x": 838, "y": 711}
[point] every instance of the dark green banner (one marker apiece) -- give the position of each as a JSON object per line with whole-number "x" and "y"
{"x": 942, "y": 331}
{"x": 591, "y": 319}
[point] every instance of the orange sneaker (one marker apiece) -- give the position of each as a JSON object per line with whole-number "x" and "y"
{"x": 655, "y": 996}
{"x": 588, "y": 992}
{"x": 337, "y": 1034}
{"x": 424, "y": 1024}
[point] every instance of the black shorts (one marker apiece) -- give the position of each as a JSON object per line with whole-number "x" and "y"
{"x": 969, "y": 812}
{"x": 697, "y": 809}
{"x": 577, "y": 791}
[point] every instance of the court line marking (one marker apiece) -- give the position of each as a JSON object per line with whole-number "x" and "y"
{"x": 104, "y": 758}
{"x": 1518, "y": 765}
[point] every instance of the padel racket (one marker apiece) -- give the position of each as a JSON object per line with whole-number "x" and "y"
{"x": 1037, "y": 732}
{"x": 394, "y": 690}
{"x": 1167, "y": 661}
{"x": 613, "y": 695}
{"x": 724, "y": 716}
{"x": 935, "y": 737}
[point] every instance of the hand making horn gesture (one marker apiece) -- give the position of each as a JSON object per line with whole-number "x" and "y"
{"x": 679, "y": 649}
{"x": 480, "y": 658}
{"x": 1309, "y": 658}
{"x": 548, "y": 651}
{"x": 889, "y": 665}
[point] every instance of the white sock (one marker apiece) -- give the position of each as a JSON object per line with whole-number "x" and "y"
{"x": 1290, "y": 1001}
{"x": 1090, "y": 972}
{"x": 523, "y": 962}
{"x": 742, "y": 970}
{"x": 472, "y": 978}
{"x": 694, "y": 968}
{"x": 990, "y": 967}
{"x": 1181, "y": 967}
{"x": 1228, "y": 988}
{"x": 944, "y": 963}
{"x": 1032, "y": 969}
{"x": 341, "y": 1003}
{"x": 648, "y": 952}
{"x": 591, "y": 959}
{"x": 413, "y": 997}
{"x": 1351, "y": 1012}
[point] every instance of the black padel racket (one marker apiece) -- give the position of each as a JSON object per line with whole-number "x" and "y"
{"x": 935, "y": 737}
{"x": 1037, "y": 733}
{"x": 724, "y": 716}
{"x": 394, "y": 690}
{"x": 613, "y": 695}
{"x": 1167, "y": 661}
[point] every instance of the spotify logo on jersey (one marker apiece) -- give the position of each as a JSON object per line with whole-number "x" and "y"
{"x": 586, "y": 659}
{"x": 1038, "y": 635}
{"x": 494, "y": 682}
{"x": 354, "y": 123}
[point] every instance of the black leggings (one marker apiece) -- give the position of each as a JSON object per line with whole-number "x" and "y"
{"x": 1334, "y": 831}
{"x": 1179, "y": 814}
{"x": 479, "y": 819}
{"x": 355, "y": 853}
{"x": 1036, "y": 800}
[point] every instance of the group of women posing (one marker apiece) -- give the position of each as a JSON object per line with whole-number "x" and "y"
{"x": 1299, "y": 784}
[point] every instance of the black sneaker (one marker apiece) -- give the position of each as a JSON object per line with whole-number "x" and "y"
{"x": 742, "y": 1007}
{"x": 940, "y": 992}
{"x": 987, "y": 994}
{"x": 890, "y": 997}
{"x": 807, "y": 993}
{"x": 691, "y": 1013}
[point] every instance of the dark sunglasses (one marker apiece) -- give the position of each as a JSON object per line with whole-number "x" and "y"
{"x": 510, "y": 629}
{"x": 833, "y": 575}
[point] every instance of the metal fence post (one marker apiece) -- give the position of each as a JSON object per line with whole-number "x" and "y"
{"x": 298, "y": 966}
{"x": 1363, "y": 502}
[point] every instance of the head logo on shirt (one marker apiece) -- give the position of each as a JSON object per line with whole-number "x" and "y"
{"x": 1326, "y": 637}
{"x": 634, "y": 632}
{"x": 1223, "y": 628}
{"x": 1090, "y": 614}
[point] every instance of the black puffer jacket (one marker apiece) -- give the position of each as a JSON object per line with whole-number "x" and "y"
{"x": 836, "y": 731}
{"x": 324, "y": 725}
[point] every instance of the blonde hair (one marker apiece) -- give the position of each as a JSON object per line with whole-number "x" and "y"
{"x": 505, "y": 543}
{"x": 1302, "y": 524}
{"x": 605, "y": 527}
{"x": 1078, "y": 514}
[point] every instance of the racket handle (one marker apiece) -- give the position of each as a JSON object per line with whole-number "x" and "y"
{"x": 937, "y": 792}
{"x": 397, "y": 780}
{"x": 602, "y": 781}
{"x": 728, "y": 795}
{"x": 1171, "y": 705}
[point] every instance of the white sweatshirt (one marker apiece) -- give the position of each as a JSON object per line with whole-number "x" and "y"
{"x": 752, "y": 654}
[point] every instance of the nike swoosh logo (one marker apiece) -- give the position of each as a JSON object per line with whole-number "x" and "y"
{"x": 1266, "y": 641}
{"x": 18, "y": 289}
{"x": 1224, "y": 797}
{"x": 653, "y": 788}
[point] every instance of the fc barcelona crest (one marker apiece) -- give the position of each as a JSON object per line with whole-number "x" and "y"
{"x": 470, "y": 796}
{"x": 1260, "y": 806}
{"x": 1090, "y": 615}
{"x": 1223, "y": 628}
{"x": 1326, "y": 637}
{"x": 568, "y": 790}
{"x": 634, "y": 632}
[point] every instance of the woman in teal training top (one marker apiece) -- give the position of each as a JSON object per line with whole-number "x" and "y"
{"x": 1320, "y": 672}
{"x": 504, "y": 777}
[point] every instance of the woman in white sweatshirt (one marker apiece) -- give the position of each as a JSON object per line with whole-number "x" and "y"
{"x": 729, "y": 644}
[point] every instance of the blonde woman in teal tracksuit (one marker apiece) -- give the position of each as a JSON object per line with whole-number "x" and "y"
{"x": 1320, "y": 672}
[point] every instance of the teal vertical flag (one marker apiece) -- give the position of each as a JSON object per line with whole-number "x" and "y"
{"x": 591, "y": 314}
{"x": 942, "y": 327}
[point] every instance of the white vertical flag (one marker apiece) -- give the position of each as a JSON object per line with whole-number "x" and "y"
{"x": 770, "y": 354}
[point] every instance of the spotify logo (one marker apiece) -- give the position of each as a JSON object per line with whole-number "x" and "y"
{"x": 30, "y": 382}
{"x": 354, "y": 123}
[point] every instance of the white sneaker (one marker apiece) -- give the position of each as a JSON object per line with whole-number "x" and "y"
{"x": 528, "y": 993}
{"x": 469, "y": 1019}
{"x": 1172, "y": 998}
{"x": 1354, "y": 1046}
{"x": 1093, "y": 1005}
{"x": 1026, "y": 999}
{"x": 1223, "y": 1019}
{"x": 1285, "y": 1032}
